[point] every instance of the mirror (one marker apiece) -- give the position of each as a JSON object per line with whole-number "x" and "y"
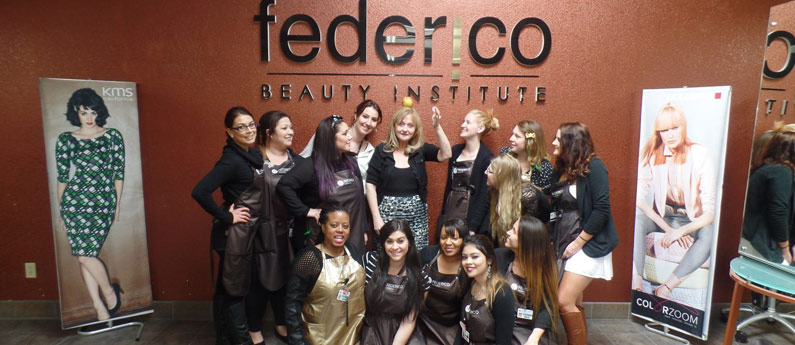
{"x": 770, "y": 203}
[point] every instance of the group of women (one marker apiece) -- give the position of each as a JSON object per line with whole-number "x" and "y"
{"x": 520, "y": 235}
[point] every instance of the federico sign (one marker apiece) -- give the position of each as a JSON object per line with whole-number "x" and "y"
{"x": 380, "y": 40}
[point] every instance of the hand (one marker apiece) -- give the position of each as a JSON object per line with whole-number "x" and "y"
{"x": 785, "y": 252}
{"x": 239, "y": 215}
{"x": 378, "y": 222}
{"x": 436, "y": 117}
{"x": 670, "y": 237}
{"x": 686, "y": 241}
{"x": 573, "y": 248}
{"x": 314, "y": 213}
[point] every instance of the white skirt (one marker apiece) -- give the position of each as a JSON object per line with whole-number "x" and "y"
{"x": 584, "y": 265}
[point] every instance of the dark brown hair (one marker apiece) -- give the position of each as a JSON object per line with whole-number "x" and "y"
{"x": 576, "y": 150}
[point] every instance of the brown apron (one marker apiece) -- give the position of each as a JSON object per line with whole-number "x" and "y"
{"x": 349, "y": 192}
{"x": 333, "y": 311}
{"x": 525, "y": 314}
{"x": 457, "y": 204}
{"x": 478, "y": 325}
{"x": 564, "y": 222}
{"x": 272, "y": 243}
{"x": 383, "y": 321}
{"x": 236, "y": 275}
{"x": 438, "y": 322}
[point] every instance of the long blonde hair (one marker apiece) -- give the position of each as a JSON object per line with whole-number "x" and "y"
{"x": 506, "y": 206}
{"x": 415, "y": 143}
{"x": 487, "y": 120}
{"x": 534, "y": 143}
{"x": 670, "y": 116}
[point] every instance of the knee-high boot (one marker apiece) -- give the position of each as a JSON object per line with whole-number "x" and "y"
{"x": 219, "y": 323}
{"x": 574, "y": 323}
{"x": 236, "y": 325}
{"x": 584, "y": 321}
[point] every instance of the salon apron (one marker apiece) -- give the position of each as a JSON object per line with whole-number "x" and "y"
{"x": 525, "y": 313}
{"x": 439, "y": 321}
{"x": 382, "y": 322}
{"x": 236, "y": 275}
{"x": 478, "y": 326}
{"x": 565, "y": 222}
{"x": 333, "y": 312}
{"x": 457, "y": 204}
{"x": 348, "y": 191}
{"x": 272, "y": 242}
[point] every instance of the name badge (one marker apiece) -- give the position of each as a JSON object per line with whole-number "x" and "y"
{"x": 526, "y": 314}
{"x": 464, "y": 332}
{"x": 343, "y": 295}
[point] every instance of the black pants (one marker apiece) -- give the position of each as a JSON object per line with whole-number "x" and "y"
{"x": 257, "y": 300}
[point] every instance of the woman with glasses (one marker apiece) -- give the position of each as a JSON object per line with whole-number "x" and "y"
{"x": 329, "y": 175}
{"x": 397, "y": 180}
{"x": 236, "y": 174}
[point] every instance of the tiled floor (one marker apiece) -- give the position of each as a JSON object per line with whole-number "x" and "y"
{"x": 158, "y": 331}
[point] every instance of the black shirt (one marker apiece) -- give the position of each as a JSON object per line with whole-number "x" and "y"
{"x": 382, "y": 164}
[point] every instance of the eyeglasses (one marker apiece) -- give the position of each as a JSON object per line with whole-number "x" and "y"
{"x": 251, "y": 126}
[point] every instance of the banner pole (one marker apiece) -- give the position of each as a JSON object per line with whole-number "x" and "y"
{"x": 112, "y": 327}
{"x": 665, "y": 332}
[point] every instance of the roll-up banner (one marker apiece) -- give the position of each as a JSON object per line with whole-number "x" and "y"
{"x": 680, "y": 180}
{"x": 96, "y": 199}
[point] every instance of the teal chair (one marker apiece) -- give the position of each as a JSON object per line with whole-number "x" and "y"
{"x": 766, "y": 280}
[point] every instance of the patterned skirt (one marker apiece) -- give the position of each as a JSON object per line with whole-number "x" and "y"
{"x": 410, "y": 209}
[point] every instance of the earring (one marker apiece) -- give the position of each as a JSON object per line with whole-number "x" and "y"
{"x": 489, "y": 272}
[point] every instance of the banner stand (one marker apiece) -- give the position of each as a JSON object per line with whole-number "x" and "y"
{"x": 111, "y": 327}
{"x": 665, "y": 332}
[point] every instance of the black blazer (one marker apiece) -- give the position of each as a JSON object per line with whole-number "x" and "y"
{"x": 593, "y": 203}
{"x": 769, "y": 209}
{"x": 478, "y": 210}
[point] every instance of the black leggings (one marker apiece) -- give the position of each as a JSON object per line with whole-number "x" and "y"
{"x": 257, "y": 300}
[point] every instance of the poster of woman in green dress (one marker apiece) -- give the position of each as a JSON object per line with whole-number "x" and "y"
{"x": 90, "y": 163}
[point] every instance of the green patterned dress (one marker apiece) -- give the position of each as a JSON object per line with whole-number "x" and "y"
{"x": 88, "y": 204}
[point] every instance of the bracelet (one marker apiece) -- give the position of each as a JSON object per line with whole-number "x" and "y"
{"x": 582, "y": 238}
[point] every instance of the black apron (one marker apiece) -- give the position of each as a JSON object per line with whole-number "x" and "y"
{"x": 525, "y": 313}
{"x": 381, "y": 322}
{"x": 236, "y": 275}
{"x": 272, "y": 243}
{"x": 347, "y": 191}
{"x": 457, "y": 204}
{"x": 478, "y": 326}
{"x": 564, "y": 221}
{"x": 438, "y": 322}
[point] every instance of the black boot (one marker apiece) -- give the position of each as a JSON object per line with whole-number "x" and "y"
{"x": 236, "y": 325}
{"x": 218, "y": 321}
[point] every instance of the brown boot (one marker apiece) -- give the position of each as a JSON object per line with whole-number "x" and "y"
{"x": 574, "y": 323}
{"x": 584, "y": 321}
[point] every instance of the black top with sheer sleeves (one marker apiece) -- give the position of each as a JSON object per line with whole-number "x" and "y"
{"x": 307, "y": 266}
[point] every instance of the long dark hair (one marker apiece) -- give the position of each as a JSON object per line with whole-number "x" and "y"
{"x": 495, "y": 281}
{"x": 536, "y": 257}
{"x": 576, "y": 150}
{"x": 413, "y": 266}
{"x": 780, "y": 149}
{"x": 326, "y": 158}
{"x": 368, "y": 103}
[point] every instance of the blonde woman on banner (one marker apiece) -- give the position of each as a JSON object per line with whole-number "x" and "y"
{"x": 680, "y": 175}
